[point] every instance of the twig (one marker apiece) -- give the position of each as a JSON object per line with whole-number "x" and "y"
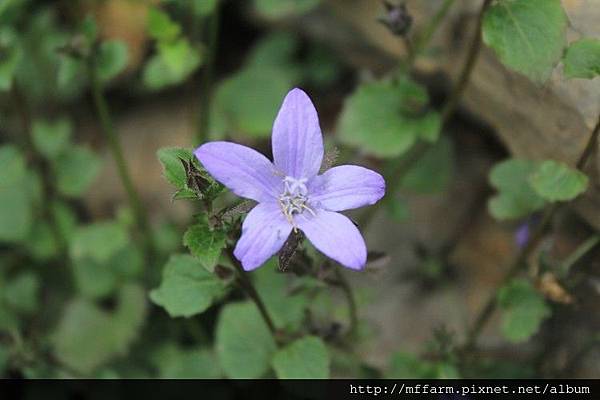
{"x": 114, "y": 144}
{"x": 521, "y": 258}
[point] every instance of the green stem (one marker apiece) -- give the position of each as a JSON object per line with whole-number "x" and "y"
{"x": 521, "y": 258}
{"x": 579, "y": 252}
{"x": 246, "y": 284}
{"x": 424, "y": 37}
{"x": 207, "y": 78}
{"x": 114, "y": 145}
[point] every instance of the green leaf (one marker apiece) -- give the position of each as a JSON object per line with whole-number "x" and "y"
{"x": 516, "y": 198}
{"x": 21, "y": 293}
{"x": 306, "y": 358}
{"x": 287, "y": 311}
{"x": 433, "y": 172}
{"x": 8, "y": 67}
{"x": 385, "y": 119}
{"x": 112, "y": 59}
{"x": 527, "y": 35}
{"x": 161, "y": 26}
{"x": 555, "y": 181}
{"x": 582, "y": 59}
{"x": 205, "y": 243}
{"x": 176, "y": 362}
{"x": 51, "y": 138}
{"x": 284, "y": 8}
{"x": 243, "y": 341}
{"x": 88, "y": 337}
{"x": 187, "y": 288}
{"x": 41, "y": 243}
{"x": 99, "y": 241}
{"x": 398, "y": 209}
{"x": 170, "y": 158}
{"x": 523, "y": 308}
{"x": 16, "y": 200}
{"x": 204, "y": 7}
{"x": 409, "y": 366}
{"x": 174, "y": 63}
{"x": 76, "y": 170}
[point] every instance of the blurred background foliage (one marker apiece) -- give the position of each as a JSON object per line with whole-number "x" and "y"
{"x": 84, "y": 292}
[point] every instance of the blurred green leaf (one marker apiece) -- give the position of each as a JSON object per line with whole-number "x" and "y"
{"x": 41, "y": 243}
{"x": 205, "y": 243}
{"x": 66, "y": 220}
{"x": 204, "y": 7}
{"x": 51, "y": 138}
{"x": 21, "y": 292}
{"x": 173, "y": 170}
{"x": 98, "y": 241}
{"x": 385, "y": 119}
{"x": 556, "y": 181}
{"x": 247, "y": 102}
{"x": 409, "y": 366}
{"x": 243, "y": 341}
{"x": 8, "y": 66}
{"x": 524, "y": 309}
{"x": 433, "y": 172}
{"x": 16, "y": 214}
{"x": 174, "y": 63}
{"x": 582, "y": 59}
{"x": 286, "y": 310}
{"x": 161, "y": 26}
{"x": 284, "y": 8}
{"x": 398, "y": 209}
{"x": 321, "y": 67}
{"x": 76, "y": 168}
{"x": 305, "y": 358}
{"x": 187, "y": 288}
{"x": 527, "y": 35}
{"x": 93, "y": 279}
{"x": 515, "y": 198}
{"x": 112, "y": 59}
{"x": 176, "y": 362}
{"x": 88, "y": 336}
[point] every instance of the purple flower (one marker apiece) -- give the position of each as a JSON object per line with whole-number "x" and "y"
{"x": 290, "y": 193}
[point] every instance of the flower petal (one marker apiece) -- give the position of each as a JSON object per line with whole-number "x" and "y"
{"x": 336, "y": 236}
{"x": 297, "y": 140}
{"x": 245, "y": 171}
{"x": 264, "y": 231}
{"x": 346, "y": 187}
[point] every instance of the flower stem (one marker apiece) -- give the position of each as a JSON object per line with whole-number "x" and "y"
{"x": 396, "y": 169}
{"x": 247, "y": 286}
{"x": 352, "y": 309}
{"x": 108, "y": 129}
{"x": 520, "y": 260}
{"x": 207, "y": 77}
{"x": 424, "y": 37}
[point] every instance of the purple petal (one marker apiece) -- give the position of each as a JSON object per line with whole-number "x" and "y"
{"x": 335, "y": 236}
{"x": 264, "y": 231}
{"x": 346, "y": 187}
{"x": 297, "y": 140}
{"x": 243, "y": 170}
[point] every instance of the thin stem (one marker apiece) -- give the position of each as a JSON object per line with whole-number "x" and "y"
{"x": 42, "y": 168}
{"x": 521, "y": 258}
{"x": 247, "y": 286}
{"x": 352, "y": 309}
{"x": 578, "y": 253}
{"x": 114, "y": 144}
{"x": 207, "y": 77}
{"x": 424, "y": 37}
{"x": 467, "y": 69}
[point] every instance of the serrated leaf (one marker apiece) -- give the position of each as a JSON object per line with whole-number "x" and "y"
{"x": 433, "y": 171}
{"x": 515, "y": 198}
{"x": 205, "y": 243}
{"x": 111, "y": 60}
{"x": 582, "y": 59}
{"x": 173, "y": 170}
{"x": 187, "y": 288}
{"x": 555, "y": 181}
{"x": 306, "y": 358}
{"x": 75, "y": 170}
{"x": 524, "y": 309}
{"x": 243, "y": 341}
{"x": 385, "y": 119}
{"x": 88, "y": 337}
{"x": 51, "y": 138}
{"x": 527, "y": 35}
{"x": 161, "y": 26}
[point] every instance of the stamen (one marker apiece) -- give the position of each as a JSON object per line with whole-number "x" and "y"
{"x": 294, "y": 199}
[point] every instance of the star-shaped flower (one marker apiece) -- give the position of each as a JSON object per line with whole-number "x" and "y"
{"x": 290, "y": 192}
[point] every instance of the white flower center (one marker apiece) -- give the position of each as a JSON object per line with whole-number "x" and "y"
{"x": 294, "y": 199}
